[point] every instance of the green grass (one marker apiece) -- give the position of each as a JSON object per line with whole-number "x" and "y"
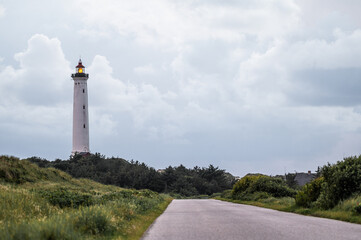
{"x": 344, "y": 211}
{"x": 141, "y": 223}
{"x": 38, "y": 203}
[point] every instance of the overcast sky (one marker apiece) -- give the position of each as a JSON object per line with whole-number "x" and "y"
{"x": 268, "y": 86}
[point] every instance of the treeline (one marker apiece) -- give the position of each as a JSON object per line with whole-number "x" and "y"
{"x": 133, "y": 174}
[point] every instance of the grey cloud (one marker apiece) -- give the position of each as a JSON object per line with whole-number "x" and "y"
{"x": 244, "y": 85}
{"x": 322, "y": 87}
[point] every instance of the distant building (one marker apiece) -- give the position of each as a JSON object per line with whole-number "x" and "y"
{"x": 161, "y": 170}
{"x": 303, "y": 178}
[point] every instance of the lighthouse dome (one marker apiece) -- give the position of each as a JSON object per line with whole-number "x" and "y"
{"x": 80, "y": 64}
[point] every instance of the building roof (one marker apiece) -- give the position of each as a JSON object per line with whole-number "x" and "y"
{"x": 80, "y": 64}
{"x": 303, "y": 178}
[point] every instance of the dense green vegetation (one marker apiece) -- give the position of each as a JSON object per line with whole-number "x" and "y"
{"x": 309, "y": 193}
{"x": 339, "y": 182}
{"x": 46, "y": 203}
{"x": 261, "y": 186}
{"x": 117, "y": 171}
{"x": 336, "y": 193}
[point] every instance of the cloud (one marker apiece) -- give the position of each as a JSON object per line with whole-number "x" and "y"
{"x": 341, "y": 52}
{"x": 174, "y": 24}
{"x": 144, "y": 70}
{"x": 242, "y": 84}
{"x": 326, "y": 87}
{"x": 2, "y": 11}
{"x": 35, "y": 99}
{"x": 308, "y": 72}
{"x": 42, "y": 76}
{"x": 115, "y": 99}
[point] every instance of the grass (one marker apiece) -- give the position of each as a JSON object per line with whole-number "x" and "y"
{"x": 344, "y": 211}
{"x": 38, "y": 203}
{"x": 141, "y": 223}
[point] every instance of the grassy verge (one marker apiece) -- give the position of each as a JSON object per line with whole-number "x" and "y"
{"x": 342, "y": 211}
{"x": 48, "y": 204}
{"x": 141, "y": 223}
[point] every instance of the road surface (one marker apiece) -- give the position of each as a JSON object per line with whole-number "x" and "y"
{"x": 213, "y": 219}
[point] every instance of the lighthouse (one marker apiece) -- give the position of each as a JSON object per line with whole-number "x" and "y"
{"x": 80, "y": 111}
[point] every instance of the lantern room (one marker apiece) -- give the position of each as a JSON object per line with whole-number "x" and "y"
{"x": 80, "y": 71}
{"x": 80, "y": 67}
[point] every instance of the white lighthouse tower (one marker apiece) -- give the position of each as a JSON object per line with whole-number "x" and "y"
{"x": 80, "y": 111}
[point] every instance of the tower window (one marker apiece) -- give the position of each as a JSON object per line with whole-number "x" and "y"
{"x": 83, "y": 90}
{"x": 84, "y": 126}
{"x": 83, "y": 106}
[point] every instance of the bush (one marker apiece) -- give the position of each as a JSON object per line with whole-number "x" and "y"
{"x": 243, "y": 184}
{"x": 309, "y": 193}
{"x": 255, "y": 196}
{"x": 341, "y": 180}
{"x": 357, "y": 209}
{"x": 113, "y": 196}
{"x": 65, "y": 198}
{"x": 226, "y": 194}
{"x": 123, "y": 210}
{"x": 273, "y": 186}
{"x": 263, "y": 185}
{"x": 260, "y": 195}
{"x": 93, "y": 220}
{"x": 144, "y": 204}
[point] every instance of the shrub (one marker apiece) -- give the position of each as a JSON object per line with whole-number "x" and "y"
{"x": 123, "y": 210}
{"x": 226, "y": 194}
{"x": 93, "y": 220}
{"x": 290, "y": 180}
{"x": 243, "y": 184}
{"x": 260, "y": 195}
{"x": 65, "y": 198}
{"x": 357, "y": 209}
{"x": 144, "y": 204}
{"x": 124, "y": 194}
{"x": 341, "y": 180}
{"x": 271, "y": 186}
{"x": 309, "y": 193}
{"x": 254, "y": 196}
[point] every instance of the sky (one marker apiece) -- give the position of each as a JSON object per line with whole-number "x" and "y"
{"x": 266, "y": 86}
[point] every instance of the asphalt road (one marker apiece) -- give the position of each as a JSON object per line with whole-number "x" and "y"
{"x": 213, "y": 219}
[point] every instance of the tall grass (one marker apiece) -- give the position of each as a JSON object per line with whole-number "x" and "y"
{"x": 25, "y": 214}
{"x": 20, "y": 204}
{"x": 49, "y": 204}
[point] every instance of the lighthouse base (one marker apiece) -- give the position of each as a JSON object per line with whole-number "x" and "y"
{"x": 80, "y": 153}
